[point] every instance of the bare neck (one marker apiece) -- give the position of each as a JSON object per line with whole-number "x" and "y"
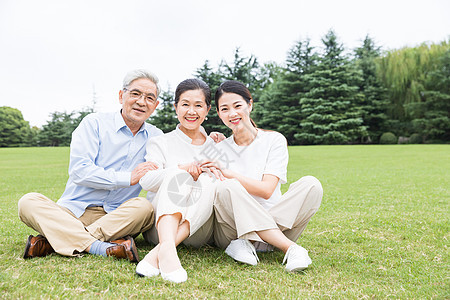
{"x": 245, "y": 136}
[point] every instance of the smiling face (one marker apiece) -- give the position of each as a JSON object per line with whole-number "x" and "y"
{"x": 135, "y": 110}
{"x": 191, "y": 110}
{"x": 234, "y": 111}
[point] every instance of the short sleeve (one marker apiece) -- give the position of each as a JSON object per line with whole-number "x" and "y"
{"x": 278, "y": 157}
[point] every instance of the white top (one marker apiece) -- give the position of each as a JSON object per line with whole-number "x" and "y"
{"x": 267, "y": 154}
{"x": 168, "y": 151}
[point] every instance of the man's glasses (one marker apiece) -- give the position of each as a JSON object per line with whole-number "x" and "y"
{"x": 137, "y": 94}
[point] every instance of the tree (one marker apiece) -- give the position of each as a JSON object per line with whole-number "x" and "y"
{"x": 431, "y": 116}
{"x": 213, "y": 79}
{"x": 244, "y": 69}
{"x": 58, "y": 131}
{"x": 375, "y": 101}
{"x": 14, "y": 130}
{"x": 404, "y": 73}
{"x": 165, "y": 117}
{"x": 328, "y": 111}
{"x": 281, "y": 107}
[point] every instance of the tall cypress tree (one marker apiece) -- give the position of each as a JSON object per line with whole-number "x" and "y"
{"x": 374, "y": 104}
{"x": 329, "y": 114}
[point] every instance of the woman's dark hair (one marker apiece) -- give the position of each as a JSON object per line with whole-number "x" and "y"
{"x": 190, "y": 85}
{"x": 234, "y": 87}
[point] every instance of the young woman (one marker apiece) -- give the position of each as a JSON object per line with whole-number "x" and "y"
{"x": 249, "y": 205}
{"x": 184, "y": 193}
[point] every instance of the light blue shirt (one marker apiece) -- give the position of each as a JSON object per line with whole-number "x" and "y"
{"x": 103, "y": 153}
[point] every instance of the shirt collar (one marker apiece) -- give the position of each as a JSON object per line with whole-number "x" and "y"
{"x": 119, "y": 123}
{"x": 184, "y": 137}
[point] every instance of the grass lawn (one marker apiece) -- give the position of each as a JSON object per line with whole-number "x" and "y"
{"x": 381, "y": 232}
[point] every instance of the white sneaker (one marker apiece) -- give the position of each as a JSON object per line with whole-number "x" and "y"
{"x": 296, "y": 258}
{"x": 242, "y": 251}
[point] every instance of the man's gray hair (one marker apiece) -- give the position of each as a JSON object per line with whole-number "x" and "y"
{"x": 138, "y": 74}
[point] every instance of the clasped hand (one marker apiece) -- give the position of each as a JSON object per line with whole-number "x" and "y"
{"x": 209, "y": 167}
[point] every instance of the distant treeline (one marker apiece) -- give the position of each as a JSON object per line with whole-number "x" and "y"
{"x": 317, "y": 96}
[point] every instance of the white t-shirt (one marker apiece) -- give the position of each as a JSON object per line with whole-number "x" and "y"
{"x": 168, "y": 151}
{"x": 267, "y": 154}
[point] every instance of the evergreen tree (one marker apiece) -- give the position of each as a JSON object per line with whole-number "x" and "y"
{"x": 165, "y": 117}
{"x": 281, "y": 99}
{"x": 244, "y": 69}
{"x": 213, "y": 80}
{"x": 57, "y": 131}
{"x": 375, "y": 101}
{"x": 329, "y": 114}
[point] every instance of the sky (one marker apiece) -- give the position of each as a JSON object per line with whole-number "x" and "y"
{"x": 54, "y": 55}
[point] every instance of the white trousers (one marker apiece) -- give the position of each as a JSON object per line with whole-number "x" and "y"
{"x": 239, "y": 215}
{"x": 179, "y": 193}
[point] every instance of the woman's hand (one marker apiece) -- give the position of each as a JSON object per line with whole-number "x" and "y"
{"x": 192, "y": 168}
{"x": 217, "y": 136}
{"x": 216, "y": 168}
{"x": 212, "y": 171}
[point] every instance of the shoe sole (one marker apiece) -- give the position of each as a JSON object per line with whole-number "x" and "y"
{"x": 298, "y": 269}
{"x": 241, "y": 261}
{"x": 134, "y": 251}
{"x": 27, "y": 247}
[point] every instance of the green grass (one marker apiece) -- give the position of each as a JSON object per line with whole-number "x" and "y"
{"x": 381, "y": 232}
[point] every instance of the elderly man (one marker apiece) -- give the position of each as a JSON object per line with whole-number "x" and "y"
{"x": 100, "y": 209}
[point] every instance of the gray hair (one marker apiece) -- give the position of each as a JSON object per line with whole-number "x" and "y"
{"x": 138, "y": 74}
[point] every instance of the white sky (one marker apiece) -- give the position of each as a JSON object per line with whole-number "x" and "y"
{"x": 52, "y": 53}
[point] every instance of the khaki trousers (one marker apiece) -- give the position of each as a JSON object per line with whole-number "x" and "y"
{"x": 239, "y": 215}
{"x": 179, "y": 193}
{"x": 70, "y": 235}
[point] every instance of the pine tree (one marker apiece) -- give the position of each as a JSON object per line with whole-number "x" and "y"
{"x": 281, "y": 99}
{"x": 213, "y": 80}
{"x": 375, "y": 101}
{"x": 165, "y": 117}
{"x": 329, "y": 114}
{"x": 244, "y": 69}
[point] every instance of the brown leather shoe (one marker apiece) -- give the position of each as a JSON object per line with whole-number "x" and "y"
{"x": 37, "y": 246}
{"x": 125, "y": 248}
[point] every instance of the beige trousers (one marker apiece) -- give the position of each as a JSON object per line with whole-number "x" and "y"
{"x": 239, "y": 215}
{"x": 70, "y": 235}
{"x": 179, "y": 193}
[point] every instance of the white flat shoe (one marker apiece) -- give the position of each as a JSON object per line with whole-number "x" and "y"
{"x": 296, "y": 258}
{"x": 176, "y": 276}
{"x": 145, "y": 269}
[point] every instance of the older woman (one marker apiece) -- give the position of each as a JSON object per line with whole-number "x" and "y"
{"x": 184, "y": 192}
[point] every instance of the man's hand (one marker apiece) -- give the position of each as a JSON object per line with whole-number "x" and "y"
{"x": 141, "y": 170}
{"x": 217, "y": 136}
